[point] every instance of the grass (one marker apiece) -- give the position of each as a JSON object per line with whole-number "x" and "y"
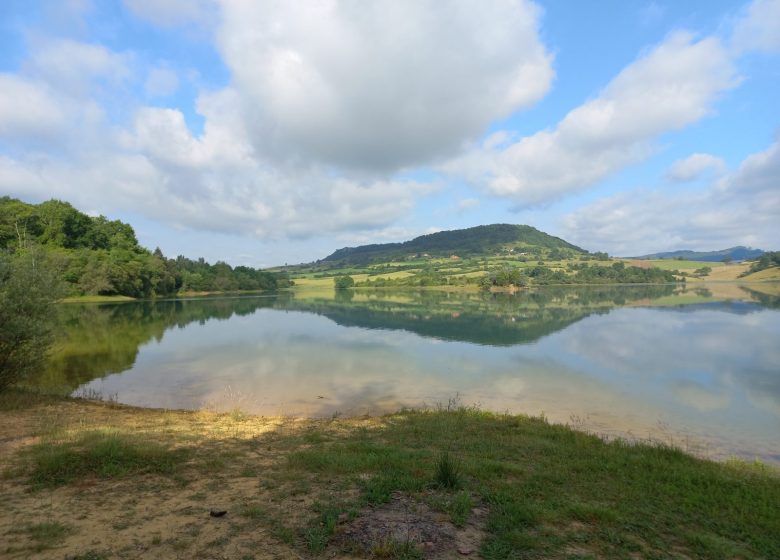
{"x": 460, "y": 508}
{"x": 541, "y": 490}
{"x": 396, "y": 550}
{"x": 47, "y": 534}
{"x": 101, "y": 454}
{"x": 540, "y": 480}
{"x": 447, "y": 472}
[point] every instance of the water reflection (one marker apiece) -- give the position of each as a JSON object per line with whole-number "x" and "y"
{"x": 689, "y": 365}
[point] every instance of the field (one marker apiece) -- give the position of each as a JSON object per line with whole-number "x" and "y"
{"x": 466, "y": 273}
{"x": 768, "y": 275}
{"x": 84, "y": 479}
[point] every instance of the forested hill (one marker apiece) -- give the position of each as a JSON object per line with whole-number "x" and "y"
{"x": 739, "y": 253}
{"x": 480, "y": 240}
{"x": 97, "y": 256}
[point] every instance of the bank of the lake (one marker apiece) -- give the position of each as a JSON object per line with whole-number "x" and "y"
{"x": 84, "y": 479}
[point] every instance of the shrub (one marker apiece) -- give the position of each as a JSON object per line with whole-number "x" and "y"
{"x": 28, "y": 287}
{"x": 343, "y": 282}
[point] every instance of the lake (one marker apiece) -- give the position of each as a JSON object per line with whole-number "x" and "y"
{"x": 698, "y": 368}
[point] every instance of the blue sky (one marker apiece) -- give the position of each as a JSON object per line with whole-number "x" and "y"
{"x": 265, "y": 133}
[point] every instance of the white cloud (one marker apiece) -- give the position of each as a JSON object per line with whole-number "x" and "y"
{"x": 380, "y": 85}
{"x": 694, "y": 166}
{"x": 28, "y": 109}
{"x": 468, "y": 203}
{"x": 72, "y": 67}
{"x": 671, "y": 86}
{"x": 759, "y": 173}
{"x": 758, "y": 28}
{"x": 161, "y": 82}
{"x": 211, "y": 182}
{"x": 740, "y": 209}
{"x": 171, "y": 13}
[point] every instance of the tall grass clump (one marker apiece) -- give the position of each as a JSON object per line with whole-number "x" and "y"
{"x": 447, "y": 472}
{"x": 101, "y": 454}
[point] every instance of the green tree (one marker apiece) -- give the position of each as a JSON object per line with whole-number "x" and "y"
{"x": 343, "y": 281}
{"x": 28, "y": 288}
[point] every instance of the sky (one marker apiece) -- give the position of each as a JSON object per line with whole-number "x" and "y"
{"x": 269, "y": 132}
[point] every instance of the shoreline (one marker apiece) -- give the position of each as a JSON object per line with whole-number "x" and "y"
{"x": 306, "y": 488}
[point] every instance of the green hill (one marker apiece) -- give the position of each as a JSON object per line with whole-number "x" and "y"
{"x": 480, "y": 240}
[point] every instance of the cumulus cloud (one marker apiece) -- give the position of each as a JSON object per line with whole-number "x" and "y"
{"x": 759, "y": 27}
{"x": 75, "y": 68}
{"x": 694, "y": 166}
{"x": 669, "y": 87}
{"x": 156, "y": 166}
{"x": 380, "y": 85}
{"x": 212, "y": 181}
{"x": 740, "y": 208}
{"x": 28, "y": 109}
{"x": 161, "y": 82}
{"x": 328, "y": 101}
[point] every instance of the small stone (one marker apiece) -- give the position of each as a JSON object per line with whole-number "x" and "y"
{"x": 217, "y": 512}
{"x": 465, "y": 550}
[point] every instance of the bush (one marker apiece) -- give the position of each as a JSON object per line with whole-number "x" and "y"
{"x": 28, "y": 287}
{"x": 343, "y": 282}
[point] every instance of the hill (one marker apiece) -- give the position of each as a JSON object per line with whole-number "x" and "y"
{"x": 738, "y": 253}
{"x": 97, "y": 256}
{"x": 479, "y": 240}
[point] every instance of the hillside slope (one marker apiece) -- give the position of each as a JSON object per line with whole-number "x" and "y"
{"x": 479, "y": 240}
{"x": 739, "y": 253}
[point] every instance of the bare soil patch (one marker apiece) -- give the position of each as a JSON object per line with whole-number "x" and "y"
{"x": 407, "y": 522}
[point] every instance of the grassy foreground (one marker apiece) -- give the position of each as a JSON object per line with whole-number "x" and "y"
{"x": 83, "y": 479}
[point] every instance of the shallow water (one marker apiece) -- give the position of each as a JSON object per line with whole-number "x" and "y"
{"x": 695, "y": 368}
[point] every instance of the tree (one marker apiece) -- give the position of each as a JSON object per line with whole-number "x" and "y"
{"x": 28, "y": 288}
{"x": 343, "y": 281}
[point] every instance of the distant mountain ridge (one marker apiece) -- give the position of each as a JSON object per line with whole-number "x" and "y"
{"x": 462, "y": 242}
{"x": 739, "y": 253}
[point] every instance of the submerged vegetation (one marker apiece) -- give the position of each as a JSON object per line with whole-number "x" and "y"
{"x": 408, "y": 485}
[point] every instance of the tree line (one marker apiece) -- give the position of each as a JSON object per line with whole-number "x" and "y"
{"x": 767, "y": 260}
{"x": 98, "y": 256}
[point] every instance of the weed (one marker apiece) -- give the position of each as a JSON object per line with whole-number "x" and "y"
{"x": 89, "y": 555}
{"x": 396, "y": 550}
{"x": 253, "y": 511}
{"x": 47, "y": 534}
{"x": 447, "y": 472}
{"x": 460, "y": 508}
{"x": 219, "y": 542}
{"x": 238, "y": 415}
{"x": 316, "y": 538}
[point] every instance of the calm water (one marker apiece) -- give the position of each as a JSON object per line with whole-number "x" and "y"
{"x": 698, "y": 368}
